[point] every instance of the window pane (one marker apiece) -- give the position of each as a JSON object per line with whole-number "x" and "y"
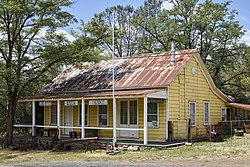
{"x": 223, "y": 114}
{"x": 152, "y": 108}
{"x": 86, "y": 118}
{"x": 53, "y": 114}
{"x": 102, "y": 109}
{"x": 152, "y": 118}
{"x": 103, "y": 118}
{"x": 124, "y": 112}
{"x": 192, "y": 113}
{"x": 133, "y": 112}
{"x": 206, "y": 113}
{"x": 152, "y": 115}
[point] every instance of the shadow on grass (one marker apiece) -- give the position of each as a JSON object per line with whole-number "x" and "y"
{"x": 6, "y": 154}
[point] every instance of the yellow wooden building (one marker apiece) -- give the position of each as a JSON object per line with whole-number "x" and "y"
{"x": 158, "y": 97}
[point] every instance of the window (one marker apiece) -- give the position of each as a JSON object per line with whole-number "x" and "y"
{"x": 152, "y": 115}
{"x": 86, "y": 115}
{"x": 133, "y": 112}
{"x": 192, "y": 111}
{"x": 53, "y": 114}
{"x": 206, "y": 113}
{"x": 124, "y": 112}
{"x": 128, "y": 112}
{"x": 102, "y": 115}
{"x": 223, "y": 114}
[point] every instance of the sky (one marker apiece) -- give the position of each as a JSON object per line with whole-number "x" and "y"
{"x": 85, "y": 10}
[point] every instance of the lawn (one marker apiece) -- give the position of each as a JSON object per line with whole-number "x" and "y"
{"x": 230, "y": 147}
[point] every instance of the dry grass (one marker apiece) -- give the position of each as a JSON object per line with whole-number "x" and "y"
{"x": 230, "y": 147}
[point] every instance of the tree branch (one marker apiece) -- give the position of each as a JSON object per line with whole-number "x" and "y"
{"x": 156, "y": 37}
{"x": 236, "y": 75}
{"x": 37, "y": 76}
{"x": 3, "y": 107}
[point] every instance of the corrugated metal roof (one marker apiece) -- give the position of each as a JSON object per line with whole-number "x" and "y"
{"x": 144, "y": 71}
{"x": 240, "y": 105}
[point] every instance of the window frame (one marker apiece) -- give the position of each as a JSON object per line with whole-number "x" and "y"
{"x": 86, "y": 113}
{"x": 129, "y": 111}
{"x": 225, "y": 110}
{"x": 98, "y": 113}
{"x": 149, "y": 124}
{"x": 192, "y": 102}
{"x": 204, "y": 112}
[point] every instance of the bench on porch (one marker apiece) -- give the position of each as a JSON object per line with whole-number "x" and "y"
{"x": 239, "y": 131}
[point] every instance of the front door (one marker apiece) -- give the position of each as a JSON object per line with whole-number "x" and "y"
{"x": 68, "y": 119}
{"x": 128, "y": 118}
{"x": 39, "y": 118}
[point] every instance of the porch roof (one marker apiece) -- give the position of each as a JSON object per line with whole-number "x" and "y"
{"x": 96, "y": 94}
{"x": 240, "y": 105}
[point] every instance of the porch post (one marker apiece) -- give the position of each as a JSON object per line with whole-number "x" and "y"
{"x": 83, "y": 118}
{"x": 167, "y": 119}
{"x": 114, "y": 122}
{"x": 145, "y": 120}
{"x": 33, "y": 118}
{"x": 58, "y": 118}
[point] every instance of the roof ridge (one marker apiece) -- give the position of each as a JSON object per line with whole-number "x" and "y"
{"x": 165, "y": 53}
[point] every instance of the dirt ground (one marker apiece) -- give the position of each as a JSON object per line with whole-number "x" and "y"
{"x": 232, "y": 152}
{"x": 241, "y": 160}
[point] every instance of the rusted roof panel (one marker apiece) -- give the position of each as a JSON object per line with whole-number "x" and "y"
{"x": 144, "y": 71}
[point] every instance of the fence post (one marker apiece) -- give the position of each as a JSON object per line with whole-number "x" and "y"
{"x": 189, "y": 131}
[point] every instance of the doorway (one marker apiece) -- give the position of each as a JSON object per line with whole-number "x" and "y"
{"x": 68, "y": 119}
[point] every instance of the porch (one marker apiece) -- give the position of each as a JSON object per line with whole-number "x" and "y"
{"x": 237, "y": 115}
{"x": 141, "y": 117}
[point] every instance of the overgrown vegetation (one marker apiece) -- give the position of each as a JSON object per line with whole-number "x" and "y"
{"x": 230, "y": 147}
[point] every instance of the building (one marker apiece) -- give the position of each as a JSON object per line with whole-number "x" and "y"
{"x": 158, "y": 97}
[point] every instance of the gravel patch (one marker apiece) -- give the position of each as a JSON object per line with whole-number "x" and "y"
{"x": 242, "y": 160}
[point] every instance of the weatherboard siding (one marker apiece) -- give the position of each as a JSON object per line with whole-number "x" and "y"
{"x": 158, "y": 133}
{"x": 188, "y": 87}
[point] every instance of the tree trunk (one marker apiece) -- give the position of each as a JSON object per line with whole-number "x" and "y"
{"x": 10, "y": 119}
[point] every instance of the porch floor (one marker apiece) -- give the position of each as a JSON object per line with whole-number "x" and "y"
{"x": 140, "y": 143}
{"x": 134, "y": 142}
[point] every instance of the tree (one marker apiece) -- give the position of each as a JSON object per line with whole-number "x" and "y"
{"x": 237, "y": 80}
{"x": 99, "y": 28}
{"x": 155, "y": 27}
{"x": 25, "y": 55}
{"x": 209, "y": 27}
{"x": 212, "y": 29}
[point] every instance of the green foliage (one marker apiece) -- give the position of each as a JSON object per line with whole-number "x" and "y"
{"x": 237, "y": 79}
{"x": 99, "y": 30}
{"x": 26, "y": 55}
{"x": 208, "y": 26}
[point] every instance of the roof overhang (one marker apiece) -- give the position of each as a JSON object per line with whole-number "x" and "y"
{"x": 240, "y": 105}
{"x": 150, "y": 93}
